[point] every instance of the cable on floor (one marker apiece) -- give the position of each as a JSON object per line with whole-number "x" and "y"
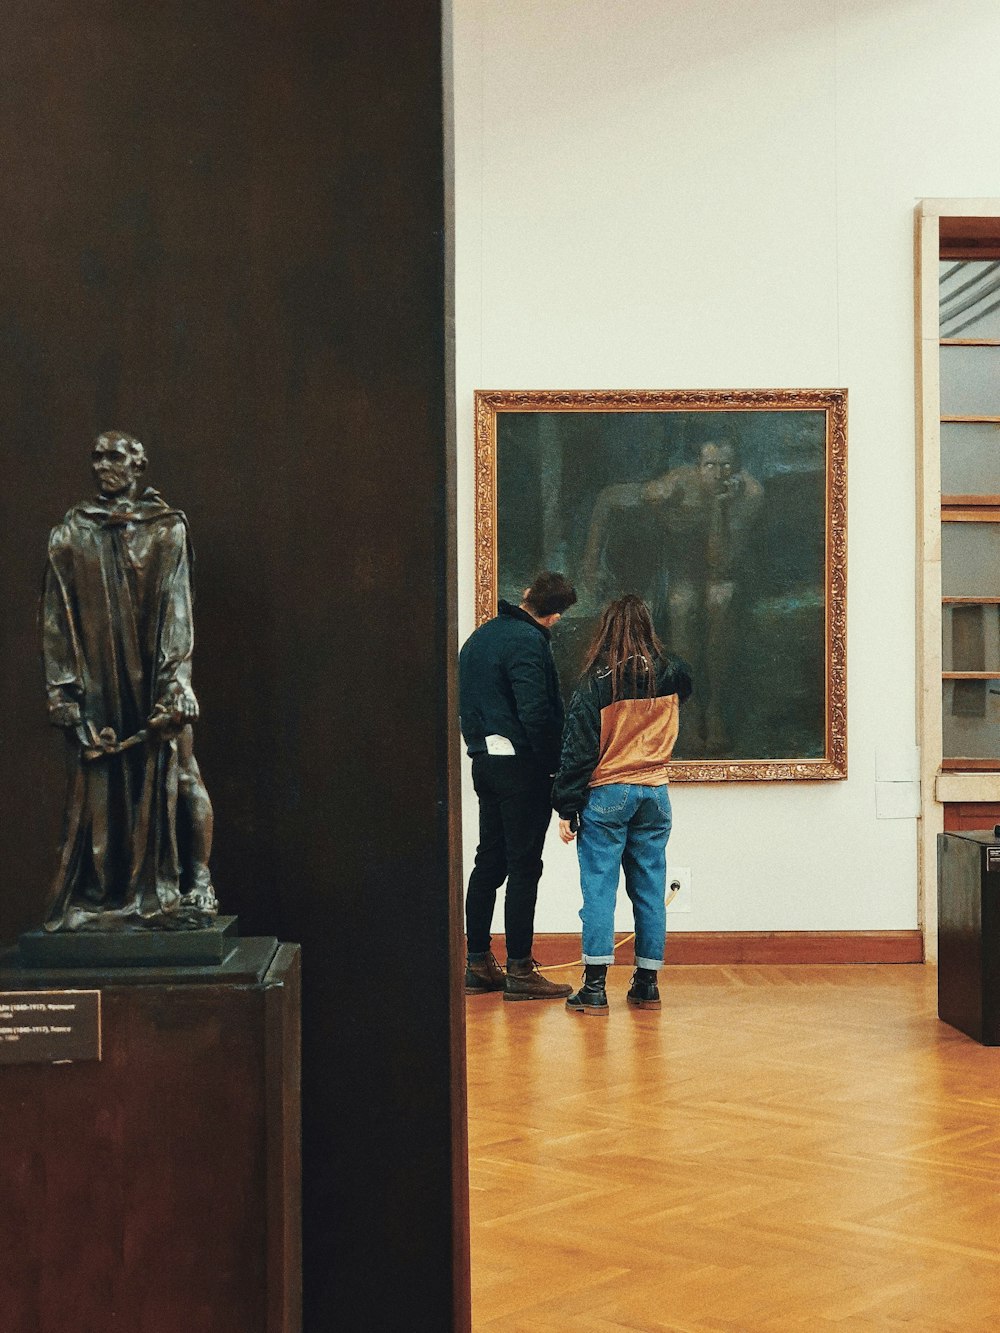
{"x": 578, "y": 962}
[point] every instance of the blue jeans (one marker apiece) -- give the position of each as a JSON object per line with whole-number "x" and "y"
{"x": 623, "y": 826}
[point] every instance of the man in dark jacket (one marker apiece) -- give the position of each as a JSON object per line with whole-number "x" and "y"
{"x": 512, "y": 718}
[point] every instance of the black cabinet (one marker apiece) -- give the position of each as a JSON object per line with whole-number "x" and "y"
{"x": 969, "y": 934}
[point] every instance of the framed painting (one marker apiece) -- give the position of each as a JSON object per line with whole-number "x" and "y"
{"x": 727, "y": 512}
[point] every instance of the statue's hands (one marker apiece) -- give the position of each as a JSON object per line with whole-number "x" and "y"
{"x": 186, "y": 706}
{"x": 176, "y": 711}
{"x": 64, "y": 713}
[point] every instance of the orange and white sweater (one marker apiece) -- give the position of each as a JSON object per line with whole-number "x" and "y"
{"x": 628, "y": 740}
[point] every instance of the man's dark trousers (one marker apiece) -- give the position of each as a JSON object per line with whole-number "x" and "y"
{"x": 514, "y": 813}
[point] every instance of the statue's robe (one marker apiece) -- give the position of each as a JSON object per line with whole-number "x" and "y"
{"x": 117, "y": 640}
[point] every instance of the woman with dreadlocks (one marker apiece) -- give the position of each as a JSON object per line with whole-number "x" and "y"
{"x": 611, "y": 793}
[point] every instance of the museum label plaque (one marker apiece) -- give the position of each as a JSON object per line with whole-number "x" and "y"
{"x": 49, "y": 1027}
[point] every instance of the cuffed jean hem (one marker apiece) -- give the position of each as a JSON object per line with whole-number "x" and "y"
{"x": 650, "y": 964}
{"x": 598, "y": 958}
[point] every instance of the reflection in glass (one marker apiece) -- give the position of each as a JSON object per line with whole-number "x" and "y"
{"x": 970, "y": 381}
{"x": 970, "y": 559}
{"x": 970, "y": 458}
{"x": 971, "y": 718}
{"x": 970, "y": 465}
{"x": 971, "y": 638}
{"x": 970, "y": 299}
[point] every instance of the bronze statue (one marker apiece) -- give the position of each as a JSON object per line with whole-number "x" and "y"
{"x": 117, "y": 635}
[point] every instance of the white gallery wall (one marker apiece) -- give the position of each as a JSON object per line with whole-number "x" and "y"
{"x": 661, "y": 195}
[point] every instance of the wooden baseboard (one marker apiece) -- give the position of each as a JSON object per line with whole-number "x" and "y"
{"x": 755, "y": 946}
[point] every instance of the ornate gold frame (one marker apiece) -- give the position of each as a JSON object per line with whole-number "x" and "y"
{"x": 489, "y": 403}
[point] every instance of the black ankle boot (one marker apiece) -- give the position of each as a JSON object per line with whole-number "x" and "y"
{"x": 591, "y": 998}
{"x": 644, "y": 992}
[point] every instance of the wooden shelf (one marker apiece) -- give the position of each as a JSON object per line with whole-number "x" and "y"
{"x": 970, "y": 675}
{"x": 971, "y": 514}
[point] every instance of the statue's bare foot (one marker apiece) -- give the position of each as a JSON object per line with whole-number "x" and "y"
{"x": 199, "y": 906}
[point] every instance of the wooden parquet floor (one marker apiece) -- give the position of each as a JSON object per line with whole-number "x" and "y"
{"x": 780, "y": 1148}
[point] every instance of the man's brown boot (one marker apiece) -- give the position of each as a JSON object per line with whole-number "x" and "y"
{"x": 482, "y": 973}
{"x": 525, "y": 982}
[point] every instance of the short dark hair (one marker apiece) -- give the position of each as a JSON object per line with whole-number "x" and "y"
{"x": 711, "y": 428}
{"x": 132, "y": 446}
{"x": 550, "y": 593}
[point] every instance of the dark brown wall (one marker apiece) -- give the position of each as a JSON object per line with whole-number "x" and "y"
{"x": 223, "y": 230}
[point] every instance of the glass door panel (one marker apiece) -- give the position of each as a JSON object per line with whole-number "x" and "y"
{"x": 970, "y": 381}
{"x": 970, "y": 458}
{"x": 970, "y": 299}
{"x": 971, "y": 719}
{"x": 970, "y": 559}
{"x": 971, "y": 637}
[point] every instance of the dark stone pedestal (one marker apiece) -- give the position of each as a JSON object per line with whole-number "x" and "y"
{"x": 158, "y": 1188}
{"x": 969, "y": 934}
{"x": 129, "y": 948}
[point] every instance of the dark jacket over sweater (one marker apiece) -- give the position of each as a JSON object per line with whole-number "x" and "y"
{"x": 508, "y": 686}
{"x": 628, "y": 740}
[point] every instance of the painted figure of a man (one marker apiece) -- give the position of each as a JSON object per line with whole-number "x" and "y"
{"x": 710, "y": 511}
{"x": 705, "y": 514}
{"x": 118, "y": 636}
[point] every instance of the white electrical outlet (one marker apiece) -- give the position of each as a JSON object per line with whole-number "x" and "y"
{"x": 681, "y": 901}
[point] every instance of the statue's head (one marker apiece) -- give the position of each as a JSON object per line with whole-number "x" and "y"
{"x": 117, "y": 461}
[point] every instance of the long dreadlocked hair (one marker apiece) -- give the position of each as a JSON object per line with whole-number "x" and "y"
{"x": 626, "y": 643}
